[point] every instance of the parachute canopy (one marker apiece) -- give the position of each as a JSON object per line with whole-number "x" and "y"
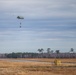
{"x": 20, "y": 17}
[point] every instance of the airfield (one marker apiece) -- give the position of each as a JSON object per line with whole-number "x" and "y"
{"x": 37, "y": 66}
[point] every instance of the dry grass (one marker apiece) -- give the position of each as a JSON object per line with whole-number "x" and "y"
{"x": 50, "y": 60}
{"x": 36, "y": 68}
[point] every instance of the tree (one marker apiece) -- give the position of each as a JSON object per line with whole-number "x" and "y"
{"x": 41, "y": 50}
{"x": 72, "y": 50}
{"x": 57, "y": 51}
{"x": 51, "y": 51}
{"x": 48, "y": 50}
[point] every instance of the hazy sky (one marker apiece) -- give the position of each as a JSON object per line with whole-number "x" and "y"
{"x": 47, "y": 24}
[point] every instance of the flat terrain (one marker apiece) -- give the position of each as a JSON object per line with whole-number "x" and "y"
{"x": 40, "y": 67}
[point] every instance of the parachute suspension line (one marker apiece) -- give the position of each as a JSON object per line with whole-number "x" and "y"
{"x": 20, "y": 24}
{"x": 20, "y": 17}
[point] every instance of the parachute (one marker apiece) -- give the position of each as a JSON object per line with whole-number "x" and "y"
{"x": 20, "y": 17}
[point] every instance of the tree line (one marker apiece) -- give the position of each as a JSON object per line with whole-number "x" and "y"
{"x": 39, "y": 54}
{"x": 21, "y": 55}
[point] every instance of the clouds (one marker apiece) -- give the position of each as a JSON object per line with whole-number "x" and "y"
{"x": 36, "y": 34}
{"x": 47, "y": 23}
{"x": 39, "y": 8}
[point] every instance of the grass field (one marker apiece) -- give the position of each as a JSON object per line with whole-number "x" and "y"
{"x": 37, "y": 68}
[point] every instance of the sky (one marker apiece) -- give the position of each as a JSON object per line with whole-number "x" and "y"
{"x": 46, "y": 24}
